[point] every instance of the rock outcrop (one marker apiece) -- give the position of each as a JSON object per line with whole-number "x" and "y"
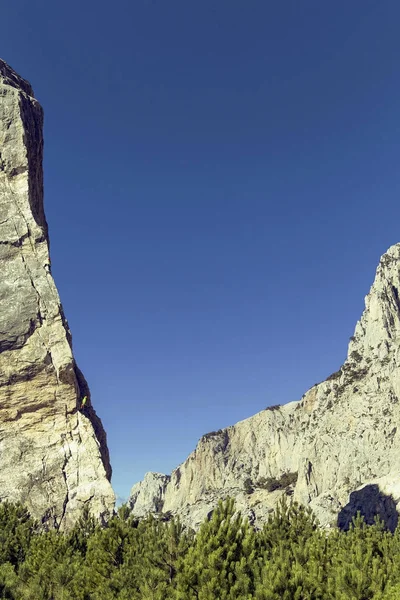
{"x": 336, "y": 450}
{"x": 53, "y": 457}
{"x": 151, "y": 492}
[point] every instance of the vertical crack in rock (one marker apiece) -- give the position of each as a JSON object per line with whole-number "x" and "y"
{"x": 66, "y": 499}
{"x": 40, "y": 385}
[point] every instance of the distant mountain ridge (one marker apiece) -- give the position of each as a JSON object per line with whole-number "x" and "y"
{"x": 336, "y": 450}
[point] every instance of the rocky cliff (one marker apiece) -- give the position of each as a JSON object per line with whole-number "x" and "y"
{"x": 337, "y": 449}
{"x": 54, "y": 457}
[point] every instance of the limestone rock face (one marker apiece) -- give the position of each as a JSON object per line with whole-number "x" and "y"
{"x": 53, "y": 457}
{"x": 148, "y": 495}
{"x": 341, "y": 440}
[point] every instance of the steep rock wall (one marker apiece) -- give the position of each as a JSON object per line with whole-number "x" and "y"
{"x": 53, "y": 457}
{"x": 342, "y": 439}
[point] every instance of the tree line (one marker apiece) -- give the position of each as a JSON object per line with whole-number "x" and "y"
{"x": 290, "y": 558}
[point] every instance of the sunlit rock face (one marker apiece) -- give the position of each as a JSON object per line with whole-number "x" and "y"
{"x": 151, "y": 492}
{"x": 53, "y": 457}
{"x": 342, "y": 437}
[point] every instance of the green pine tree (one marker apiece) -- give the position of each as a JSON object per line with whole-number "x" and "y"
{"x": 218, "y": 564}
{"x": 16, "y": 530}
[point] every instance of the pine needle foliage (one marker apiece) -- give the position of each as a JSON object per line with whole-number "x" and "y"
{"x": 289, "y": 558}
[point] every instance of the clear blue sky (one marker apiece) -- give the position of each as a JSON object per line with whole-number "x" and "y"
{"x": 221, "y": 179}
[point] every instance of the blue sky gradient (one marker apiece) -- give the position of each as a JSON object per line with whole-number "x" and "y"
{"x": 221, "y": 178}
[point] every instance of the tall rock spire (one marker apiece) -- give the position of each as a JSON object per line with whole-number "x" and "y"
{"x": 378, "y": 330}
{"x": 53, "y": 457}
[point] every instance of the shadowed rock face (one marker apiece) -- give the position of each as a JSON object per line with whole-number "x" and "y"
{"x": 343, "y": 436}
{"x": 53, "y": 457}
{"x": 370, "y": 503}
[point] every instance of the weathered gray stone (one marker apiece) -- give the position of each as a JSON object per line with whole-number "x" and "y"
{"x": 54, "y": 458}
{"x": 342, "y": 436}
{"x": 151, "y": 492}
